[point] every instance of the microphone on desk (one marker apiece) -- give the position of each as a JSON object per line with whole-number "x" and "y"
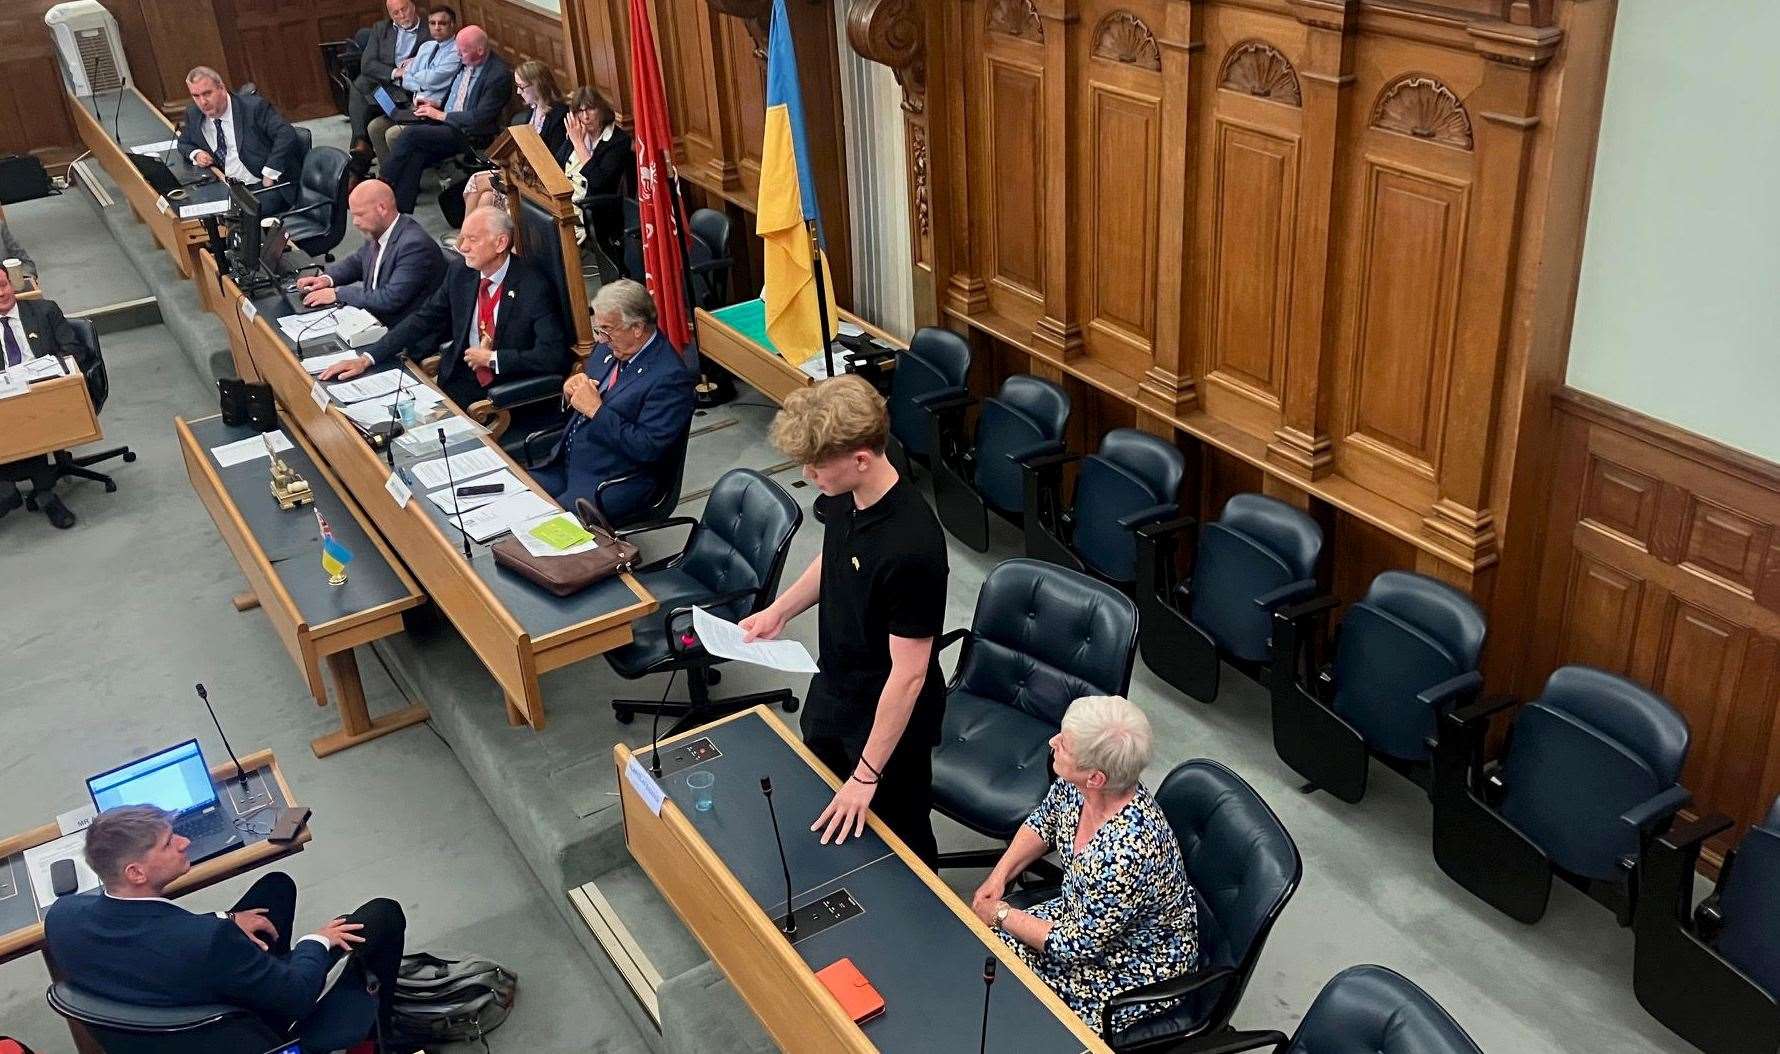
{"x": 117, "y": 115}
{"x": 789, "y": 926}
{"x": 988, "y": 986}
{"x": 456, "y": 502}
{"x": 240, "y": 773}
{"x": 395, "y": 428}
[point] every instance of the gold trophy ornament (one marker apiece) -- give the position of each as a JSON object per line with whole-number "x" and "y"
{"x": 290, "y": 489}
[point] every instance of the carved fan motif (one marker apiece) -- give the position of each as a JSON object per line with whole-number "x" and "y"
{"x": 1016, "y": 18}
{"x": 1255, "y": 67}
{"x": 1122, "y": 37}
{"x": 1416, "y": 104}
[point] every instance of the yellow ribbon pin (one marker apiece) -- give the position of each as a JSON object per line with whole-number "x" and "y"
{"x": 855, "y": 563}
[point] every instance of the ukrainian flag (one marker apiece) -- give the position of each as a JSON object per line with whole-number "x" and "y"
{"x": 334, "y": 556}
{"x": 787, "y": 202}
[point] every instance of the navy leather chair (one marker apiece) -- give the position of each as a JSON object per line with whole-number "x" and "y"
{"x": 123, "y": 1028}
{"x": 1042, "y": 637}
{"x": 1362, "y": 1010}
{"x": 1025, "y": 420}
{"x": 1260, "y": 555}
{"x": 1712, "y": 975}
{"x": 1405, "y": 654}
{"x": 730, "y": 566}
{"x": 1244, "y": 867}
{"x": 1589, "y": 778}
{"x": 80, "y": 466}
{"x": 932, "y": 369}
{"x": 316, "y": 224}
{"x": 1133, "y": 480}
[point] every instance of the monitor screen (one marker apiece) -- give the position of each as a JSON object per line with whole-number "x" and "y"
{"x": 175, "y": 779}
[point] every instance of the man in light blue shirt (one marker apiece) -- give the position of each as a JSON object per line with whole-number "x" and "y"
{"x": 426, "y": 76}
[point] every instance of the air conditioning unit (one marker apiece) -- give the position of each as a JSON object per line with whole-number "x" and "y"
{"x": 89, "y": 46}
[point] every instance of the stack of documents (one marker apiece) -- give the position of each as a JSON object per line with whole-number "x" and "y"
{"x": 376, "y": 410}
{"x": 314, "y": 365}
{"x": 307, "y": 327}
{"x": 462, "y": 468}
{"x": 41, "y": 368}
{"x": 422, "y": 439}
{"x": 498, "y": 517}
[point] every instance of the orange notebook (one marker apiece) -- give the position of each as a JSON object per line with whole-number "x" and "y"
{"x": 855, "y": 994}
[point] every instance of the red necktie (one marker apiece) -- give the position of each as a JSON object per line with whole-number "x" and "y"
{"x": 611, "y": 378}
{"x": 486, "y": 298}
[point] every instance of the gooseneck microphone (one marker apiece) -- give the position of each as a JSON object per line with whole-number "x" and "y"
{"x": 240, "y": 773}
{"x": 456, "y": 503}
{"x": 789, "y": 926}
{"x": 389, "y": 445}
{"x": 988, "y": 986}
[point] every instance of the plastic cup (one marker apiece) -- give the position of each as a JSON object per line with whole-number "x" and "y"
{"x": 701, "y": 783}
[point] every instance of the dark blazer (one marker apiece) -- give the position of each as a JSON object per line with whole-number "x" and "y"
{"x": 154, "y": 953}
{"x": 613, "y": 167}
{"x": 528, "y": 329}
{"x": 48, "y": 332}
{"x": 647, "y": 411}
{"x": 262, "y": 138}
{"x": 553, "y": 134}
{"x": 410, "y": 270}
{"x": 379, "y": 59}
{"x": 489, "y": 95}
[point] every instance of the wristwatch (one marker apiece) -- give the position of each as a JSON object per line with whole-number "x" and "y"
{"x": 1001, "y": 914}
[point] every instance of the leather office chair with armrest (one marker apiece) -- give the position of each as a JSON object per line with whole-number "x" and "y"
{"x": 1712, "y": 974}
{"x": 316, "y": 224}
{"x": 68, "y": 464}
{"x": 730, "y": 566}
{"x": 1132, "y": 481}
{"x": 1362, "y": 1010}
{"x": 1258, "y": 556}
{"x": 710, "y": 276}
{"x": 122, "y": 1028}
{"x": 1042, "y": 636}
{"x": 1588, "y": 780}
{"x": 662, "y": 500}
{"x": 934, "y": 368}
{"x": 1405, "y": 655}
{"x": 1023, "y": 421}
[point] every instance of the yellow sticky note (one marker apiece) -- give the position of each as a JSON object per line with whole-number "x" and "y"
{"x": 560, "y": 532}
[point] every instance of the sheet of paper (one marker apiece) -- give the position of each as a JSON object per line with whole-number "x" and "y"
{"x": 311, "y": 324}
{"x": 249, "y": 449}
{"x": 537, "y": 546}
{"x": 248, "y": 311}
{"x": 39, "y": 860}
{"x": 41, "y": 368}
{"x": 155, "y": 149}
{"x": 645, "y": 785}
{"x": 498, "y": 517}
{"x": 465, "y": 466}
{"x": 425, "y": 438}
{"x": 723, "y": 638}
{"x": 317, "y": 363}
{"x": 448, "y": 501}
{"x": 76, "y": 819}
{"x": 398, "y": 490}
{"x": 370, "y": 386}
{"x": 375, "y": 411}
{"x": 12, "y": 383}
{"x": 205, "y": 208}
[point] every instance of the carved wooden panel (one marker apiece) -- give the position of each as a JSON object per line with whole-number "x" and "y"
{"x": 1699, "y": 660}
{"x": 1258, "y": 69}
{"x": 1254, "y": 194}
{"x": 1123, "y": 37}
{"x": 1014, "y": 104}
{"x": 1620, "y": 499}
{"x": 1016, "y": 18}
{"x": 744, "y": 82}
{"x": 685, "y": 52}
{"x": 1422, "y": 107}
{"x": 1600, "y": 613}
{"x": 1725, "y": 543}
{"x": 1126, "y": 129}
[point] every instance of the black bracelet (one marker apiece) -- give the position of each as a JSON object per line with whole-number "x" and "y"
{"x": 869, "y": 765}
{"x": 866, "y": 782}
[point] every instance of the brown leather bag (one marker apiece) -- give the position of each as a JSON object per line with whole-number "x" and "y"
{"x": 567, "y": 575}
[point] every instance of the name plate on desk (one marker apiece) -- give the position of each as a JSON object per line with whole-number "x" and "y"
{"x": 204, "y": 208}
{"x": 398, "y": 490}
{"x": 319, "y": 393}
{"x": 161, "y": 205}
{"x": 248, "y": 311}
{"x": 645, "y": 785}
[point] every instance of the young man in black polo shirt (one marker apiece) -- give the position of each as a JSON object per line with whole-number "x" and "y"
{"x": 873, "y": 712}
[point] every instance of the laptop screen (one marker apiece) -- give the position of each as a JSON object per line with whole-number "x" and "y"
{"x": 175, "y": 779}
{"x": 384, "y": 100}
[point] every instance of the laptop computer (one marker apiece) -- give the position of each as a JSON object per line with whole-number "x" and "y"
{"x": 395, "y": 111}
{"x": 161, "y": 176}
{"x": 178, "y": 780}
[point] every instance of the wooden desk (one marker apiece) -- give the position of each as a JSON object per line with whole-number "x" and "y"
{"x": 52, "y": 415}
{"x": 917, "y": 943}
{"x": 516, "y": 629}
{"x": 760, "y": 365}
{"x": 316, "y": 622}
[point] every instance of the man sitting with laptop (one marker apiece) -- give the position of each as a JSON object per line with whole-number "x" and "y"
{"x": 428, "y": 75}
{"x": 130, "y": 943}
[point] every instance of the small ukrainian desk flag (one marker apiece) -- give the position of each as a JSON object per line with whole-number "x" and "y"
{"x": 800, "y": 308}
{"x": 334, "y": 556}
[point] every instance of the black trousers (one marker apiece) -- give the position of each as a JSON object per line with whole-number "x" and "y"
{"x": 360, "y": 107}
{"x": 904, "y": 799}
{"x": 40, "y": 470}
{"x": 417, "y": 149}
{"x": 384, "y": 930}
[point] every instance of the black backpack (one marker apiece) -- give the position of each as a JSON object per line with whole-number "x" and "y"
{"x": 22, "y": 178}
{"x": 449, "y": 997}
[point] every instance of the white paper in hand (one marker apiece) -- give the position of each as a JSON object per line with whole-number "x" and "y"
{"x": 723, "y": 639}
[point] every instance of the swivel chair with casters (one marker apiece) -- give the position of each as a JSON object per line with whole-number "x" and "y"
{"x": 1362, "y": 1010}
{"x": 1023, "y": 421}
{"x": 1405, "y": 655}
{"x": 1257, "y": 557}
{"x": 1588, "y": 781}
{"x": 123, "y": 1028}
{"x": 662, "y": 499}
{"x": 1042, "y": 637}
{"x": 1712, "y": 974}
{"x": 730, "y": 566}
{"x": 316, "y": 224}
{"x": 68, "y": 464}
{"x": 1244, "y": 868}
{"x": 1132, "y": 481}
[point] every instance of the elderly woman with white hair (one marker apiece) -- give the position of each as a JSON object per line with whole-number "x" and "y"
{"x": 1125, "y": 915}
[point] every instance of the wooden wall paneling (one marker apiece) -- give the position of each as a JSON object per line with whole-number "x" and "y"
{"x": 689, "y": 63}
{"x": 744, "y": 107}
{"x": 274, "y": 45}
{"x": 1013, "y": 145}
{"x": 1058, "y": 330}
{"x": 33, "y": 119}
{"x": 153, "y": 74}
{"x": 182, "y": 34}
{"x": 1169, "y": 383}
{"x": 521, "y": 32}
{"x": 956, "y": 38}
{"x": 597, "y": 35}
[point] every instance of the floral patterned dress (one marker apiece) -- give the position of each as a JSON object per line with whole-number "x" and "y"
{"x": 1125, "y": 915}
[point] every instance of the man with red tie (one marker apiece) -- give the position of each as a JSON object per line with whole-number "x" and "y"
{"x": 501, "y": 315}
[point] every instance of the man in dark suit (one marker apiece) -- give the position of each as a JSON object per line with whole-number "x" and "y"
{"x": 388, "y": 50}
{"x": 501, "y": 315}
{"x": 470, "y": 112}
{"x": 244, "y": 135}
{"x": 631, "y": 407}
{"x": 128, "y": 942}
{"x": 30, "y": 329}
{"x": 398, "y": 266}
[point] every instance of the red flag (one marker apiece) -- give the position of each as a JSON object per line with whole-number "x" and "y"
{"x": 664, "y": 270}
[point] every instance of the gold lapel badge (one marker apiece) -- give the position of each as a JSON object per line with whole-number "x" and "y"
{"x": 855, "y": 563}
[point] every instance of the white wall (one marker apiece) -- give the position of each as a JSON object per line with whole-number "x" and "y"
{"x": 1678, "y": 312}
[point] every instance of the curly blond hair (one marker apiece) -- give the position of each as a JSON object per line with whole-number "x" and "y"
{"x": 831, "y": 419}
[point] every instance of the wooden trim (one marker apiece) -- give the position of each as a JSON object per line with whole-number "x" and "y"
{"x": 1715, "y": 455}
{"x": 176, "y": 236}
{"x": 51, "y": 415}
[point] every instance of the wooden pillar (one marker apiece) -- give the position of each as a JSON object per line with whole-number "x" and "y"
{"x": 894, "y": 33}
{"x": 955, "y": 264}
{"x": 1301, "y": 444}
{"x": 599, "y": 46}
{"x": 1168, "y": 385}
{"x": 1057, "y": 332}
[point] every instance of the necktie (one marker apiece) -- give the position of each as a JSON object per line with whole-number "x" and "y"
{"x": 486, "y": 297}
{"x": 222, "y": 143}
{"x": 376, "y": 261}
{"x": 611, "y": 379}
{"x": 463, "y": 89}
{"x": 14, "y": 354}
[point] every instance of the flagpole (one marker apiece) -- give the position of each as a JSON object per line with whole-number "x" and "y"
{"x": 821, "y": 296}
